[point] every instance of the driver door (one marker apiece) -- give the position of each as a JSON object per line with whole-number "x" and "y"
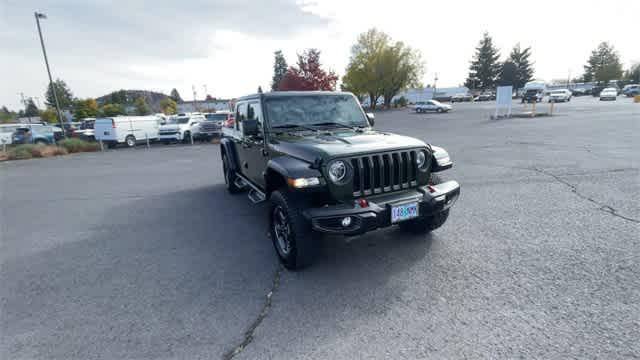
{"x": 254, "y": 153}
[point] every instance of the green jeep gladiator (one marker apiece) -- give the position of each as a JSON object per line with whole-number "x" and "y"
{"x": 316, "y": 157}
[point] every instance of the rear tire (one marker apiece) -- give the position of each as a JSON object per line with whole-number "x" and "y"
{"x": 40, "y": 142}
{"x": 293, "y": 239}
{"x": 130, "y": 141}
{"x": 429, "y": 223}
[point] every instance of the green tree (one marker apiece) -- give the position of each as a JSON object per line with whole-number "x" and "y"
{"x": 380, "y": 67}
{"x": 7, "y": 115}
{"x": 633, "y": 74}
{"x": 31, "y": 110}
{"x": 113, "y": 110}
{"x": 85, "y": 108}
{"x": 603, "y": 65}
{"x": 50, "y": 115}
{"x": 168, "y": 106}
{"x": 65, "y": 96}
{"x": 524, "y": 67}
{"x": 508, "y": 74}
{"x": 485, "y": 67}
{"x": 119, "y": 97}
{"x": 141, "y": 106}
{"x": 280, "y": 68}
{"x": 175, "y": 96}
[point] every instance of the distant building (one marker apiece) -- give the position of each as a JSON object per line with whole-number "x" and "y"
{"x": 204, "y": 106}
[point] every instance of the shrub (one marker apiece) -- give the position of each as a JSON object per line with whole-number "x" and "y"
{"x": 400, "y": 102}
{"x": 76, "y": 145}
{"x": 20, "y": 152}
{"x": 48, "y": 151}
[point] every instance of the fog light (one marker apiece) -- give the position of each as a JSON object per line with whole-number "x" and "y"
{"x": 346, "y": 221}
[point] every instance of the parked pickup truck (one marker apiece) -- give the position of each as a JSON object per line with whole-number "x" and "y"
{"x": 212, "y": 126}
{"x": 317, "y": 159}
{"x": 181, "y": 128}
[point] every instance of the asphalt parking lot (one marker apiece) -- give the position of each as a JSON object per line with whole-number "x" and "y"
{"x": 141, "y": 253}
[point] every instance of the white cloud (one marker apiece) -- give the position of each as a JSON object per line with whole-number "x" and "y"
{"x": 228, "y": 45}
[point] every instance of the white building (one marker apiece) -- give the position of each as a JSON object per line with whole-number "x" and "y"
{"x": 204, "y": 106}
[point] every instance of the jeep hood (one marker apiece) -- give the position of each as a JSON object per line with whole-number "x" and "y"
{"x": 334, "y": 144}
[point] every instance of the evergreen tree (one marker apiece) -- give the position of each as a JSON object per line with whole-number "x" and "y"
{"x": 175, "y": 96}
{"x": 524, "y": 68}
{"x": 485, "y": 68}
{"x": 603, "y": 64}
{"x": 65, "y": 97}
{"x": 508, "y": 74}
{"x": 31, "y": 110}
{"x": 633, "y": 74}
{"x": 280, "y": 68}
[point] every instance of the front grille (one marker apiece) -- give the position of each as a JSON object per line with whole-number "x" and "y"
{"x": 168, "y": 132}
{"x": 210, "y": 126}
{"x": 379, "y": 173}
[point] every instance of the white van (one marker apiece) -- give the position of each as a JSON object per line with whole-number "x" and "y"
{"x": 6, "y": 132}
{"x": 126, "y": 129}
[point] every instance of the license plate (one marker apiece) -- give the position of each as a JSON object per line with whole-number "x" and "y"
{"x": 404, "y": 212}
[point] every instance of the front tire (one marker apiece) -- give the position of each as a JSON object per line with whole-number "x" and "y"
{"x": 424, "y": 225}
{"x": 187, "y": 137}
{"x": 292, "y": 236}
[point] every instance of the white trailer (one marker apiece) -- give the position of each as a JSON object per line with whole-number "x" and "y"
{"x": 127, "y": 130}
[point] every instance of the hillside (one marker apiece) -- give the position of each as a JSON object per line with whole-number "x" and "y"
{"x": 127, "y": 97}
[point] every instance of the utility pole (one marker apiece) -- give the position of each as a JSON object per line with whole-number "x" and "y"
{"x": 39, "y": 16}
{"x": 195, "y": 102}
{"x": 435, "y": 87}
{"x": 24, "y": 103}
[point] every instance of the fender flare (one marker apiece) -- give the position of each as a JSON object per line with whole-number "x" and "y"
{"x": 227, "y": 147}
{"x": 440, "y": 159}
{"x": 289, "y": 168}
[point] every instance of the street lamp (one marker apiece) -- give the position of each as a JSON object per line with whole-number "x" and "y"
{"x": 39, "y": 16}
{"x": 435, "y": 88}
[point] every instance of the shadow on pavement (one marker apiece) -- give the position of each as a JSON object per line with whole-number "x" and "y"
{"x": 162, "y": 276}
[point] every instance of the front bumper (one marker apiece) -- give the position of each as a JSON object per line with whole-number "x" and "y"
{"x": 378, "y": 214}
{"x": 174, "y": 136}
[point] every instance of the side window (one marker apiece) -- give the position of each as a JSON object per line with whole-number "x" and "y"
{"x": 241, "y": 114}
{"x": 254, "y": 113}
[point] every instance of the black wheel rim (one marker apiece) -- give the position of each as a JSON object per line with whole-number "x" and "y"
{"x": 281, "y": 231}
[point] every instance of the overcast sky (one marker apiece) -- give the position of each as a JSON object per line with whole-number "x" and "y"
{"x": 100, "y": 46}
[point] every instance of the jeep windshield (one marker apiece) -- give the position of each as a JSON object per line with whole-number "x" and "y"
{"x": 314, "y": 110}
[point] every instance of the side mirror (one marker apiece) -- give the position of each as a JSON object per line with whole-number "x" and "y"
{"x": 372, "y": 119}
{"x": 249, "y": 128}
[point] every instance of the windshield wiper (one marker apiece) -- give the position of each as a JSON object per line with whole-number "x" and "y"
{"x": 337, "y": 124}
{"x": 293, "y": 126}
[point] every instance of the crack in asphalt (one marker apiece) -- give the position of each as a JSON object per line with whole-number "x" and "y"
{"x": 574, "y": 189}
{"x": 248, "y": 334}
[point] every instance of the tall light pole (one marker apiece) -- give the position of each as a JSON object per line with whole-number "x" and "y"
{"x": 435, "y": 87}
{"x": 39, "y": 16}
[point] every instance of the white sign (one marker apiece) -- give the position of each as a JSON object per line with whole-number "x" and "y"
{"x": 503, "y": 99}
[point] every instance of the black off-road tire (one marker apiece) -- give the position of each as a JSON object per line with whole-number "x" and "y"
{"x": 303, "y": 240}
{"x": 229, "y": 176}
{"x": 186, "y": 138}
{"x": 423, "y": 225}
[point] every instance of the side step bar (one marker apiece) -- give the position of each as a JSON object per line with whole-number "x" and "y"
{"x": 255, "y": 194}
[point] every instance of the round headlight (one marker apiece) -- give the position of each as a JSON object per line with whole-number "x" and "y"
{"x": 337, "y": 171}
{"x": 421, "y": 159}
